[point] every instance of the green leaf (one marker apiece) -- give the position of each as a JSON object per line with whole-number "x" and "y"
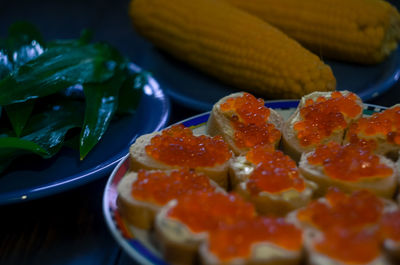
{"x": 131, "y": 91}
{"x": 19, "y": 114}
{"x": 101, "y": 104}
{"x": 45, "y": 132}
{"x": 57, "y": 69}
{"x": 23, "y": 44}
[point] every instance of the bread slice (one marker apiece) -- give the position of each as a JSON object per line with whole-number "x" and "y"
{"x": 291, "y": 144}
{"x": 383, "y": 145}
{"x": 267, "y": 203}
{"x": 219, "y": 123}
{"x": 262, "y": 249}
{"x": 180, "y": 237}
{"x": 390, "y": 228}
{"x": 381, "y": 186}
{"x": 178, "y": 244}
{"x": 141, "y": 212}
{"x": 138, "y": 213}
{"x": 141, "y": 160}
{"x": 315, "y": 257}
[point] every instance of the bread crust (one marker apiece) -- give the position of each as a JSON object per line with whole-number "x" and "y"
{"x": 279, "y": 256}
{"x": 291, "y": 145}
{"x": 177, "y": 243}
{"x": 382, "y": 187}
{"x": 278, "y": 204}
{"x": 384, "y": 147}
{"x": 140, "y": 160}
{"x": 316, "y": 258}
{"x": 220, "y": 124}
{"x": 138, "y": 213}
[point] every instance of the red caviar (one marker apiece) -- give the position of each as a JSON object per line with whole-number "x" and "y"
{"x": 320, "y": 118}
{"x": 177, "y": 146}
{"x": 350, "y": 162}
{"x": 360, "y": 209}
{"x": 350, "y": 246}
{"x": 207, "y": 211}
{"x": 275, "y": 171}
{"x": 235, "y": 241}
{"x": 390, "y": 225}
{"x": 250, "y": 121}
{"x": 159, "y": 187}
{"x": 385, "y": 124}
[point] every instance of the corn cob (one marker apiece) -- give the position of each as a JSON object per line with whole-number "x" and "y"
{"x": 362, "y": 31}
{"x": 232, "y": 45}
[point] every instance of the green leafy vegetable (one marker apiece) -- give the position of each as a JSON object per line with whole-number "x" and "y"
{"x": 101, "y": 103}
{"x": 60, "y": 93}
{"x": 19, "y": 114}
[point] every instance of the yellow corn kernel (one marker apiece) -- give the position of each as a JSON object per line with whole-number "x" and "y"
{"x": 362, "y": 31}
{"x": 232, "y": 45}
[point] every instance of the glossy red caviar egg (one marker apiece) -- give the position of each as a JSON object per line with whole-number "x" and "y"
{"x": 177, "y": 146}
{"x": 274, "y": 172}
{"x": 236, "y": 240}
{"x": 320, "y": 118}
{"x": 250, "y": 121}
{"x": 359, "y": 209}
{"x": 385, "y": 124}
{"x": 160, "y": 187}
{"x": 207, "y": 211}
{"x": 350, "y": 162}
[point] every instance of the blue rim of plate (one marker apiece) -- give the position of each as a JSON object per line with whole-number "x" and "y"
{"x": 151, "y": 92}
{"x": 119, "y": 227}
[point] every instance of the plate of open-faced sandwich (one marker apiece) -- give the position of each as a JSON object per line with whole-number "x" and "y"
{"x": 252, "y": 182}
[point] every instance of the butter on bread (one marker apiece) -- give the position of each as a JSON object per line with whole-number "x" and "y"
{"x": 290, "y": 142}
{"x": 219, "y": 123}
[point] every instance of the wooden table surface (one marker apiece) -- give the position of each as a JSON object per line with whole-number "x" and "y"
{"x": 69, "y": 228}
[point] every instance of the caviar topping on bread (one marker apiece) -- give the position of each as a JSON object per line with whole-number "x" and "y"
{"x": 349, "y": 167}
{"x": 141, "y": 195}
{"x": 270, "y": 180}
{"x": 244, "y": 122}
{"x": 259, "y": 240}
{"x": 390, "y": 231}
{"x": 185, "y": 222}
{"x": 343, "y": 229}
{"x": 382, "y": 129}
{"x": 177, "y": 147}
{"x": 321, "y": 117}
{"x": 341, "y": 246}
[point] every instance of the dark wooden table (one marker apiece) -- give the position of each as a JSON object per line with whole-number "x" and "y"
{"x": 69, "y": 228}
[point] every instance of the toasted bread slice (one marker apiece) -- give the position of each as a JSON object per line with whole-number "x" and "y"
{"x": 178, "y": 244}
{"x": 141, "y": 160}
{"x": 260, "y": 248}
{"x": 140, "y": 211}
{"x": 268, "y": 202}
{"x": 220, "y": 123}
{"x": 184, "y": 223}
{"x": 382, "y": 128}
{"x": 291, "y": 144}
{"x": 316, "y": 257}
{"x": 381, "y": 186}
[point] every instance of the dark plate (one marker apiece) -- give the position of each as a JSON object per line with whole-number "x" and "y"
{"x": 39, "y": 177}
{"x": 198, "y": 91}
